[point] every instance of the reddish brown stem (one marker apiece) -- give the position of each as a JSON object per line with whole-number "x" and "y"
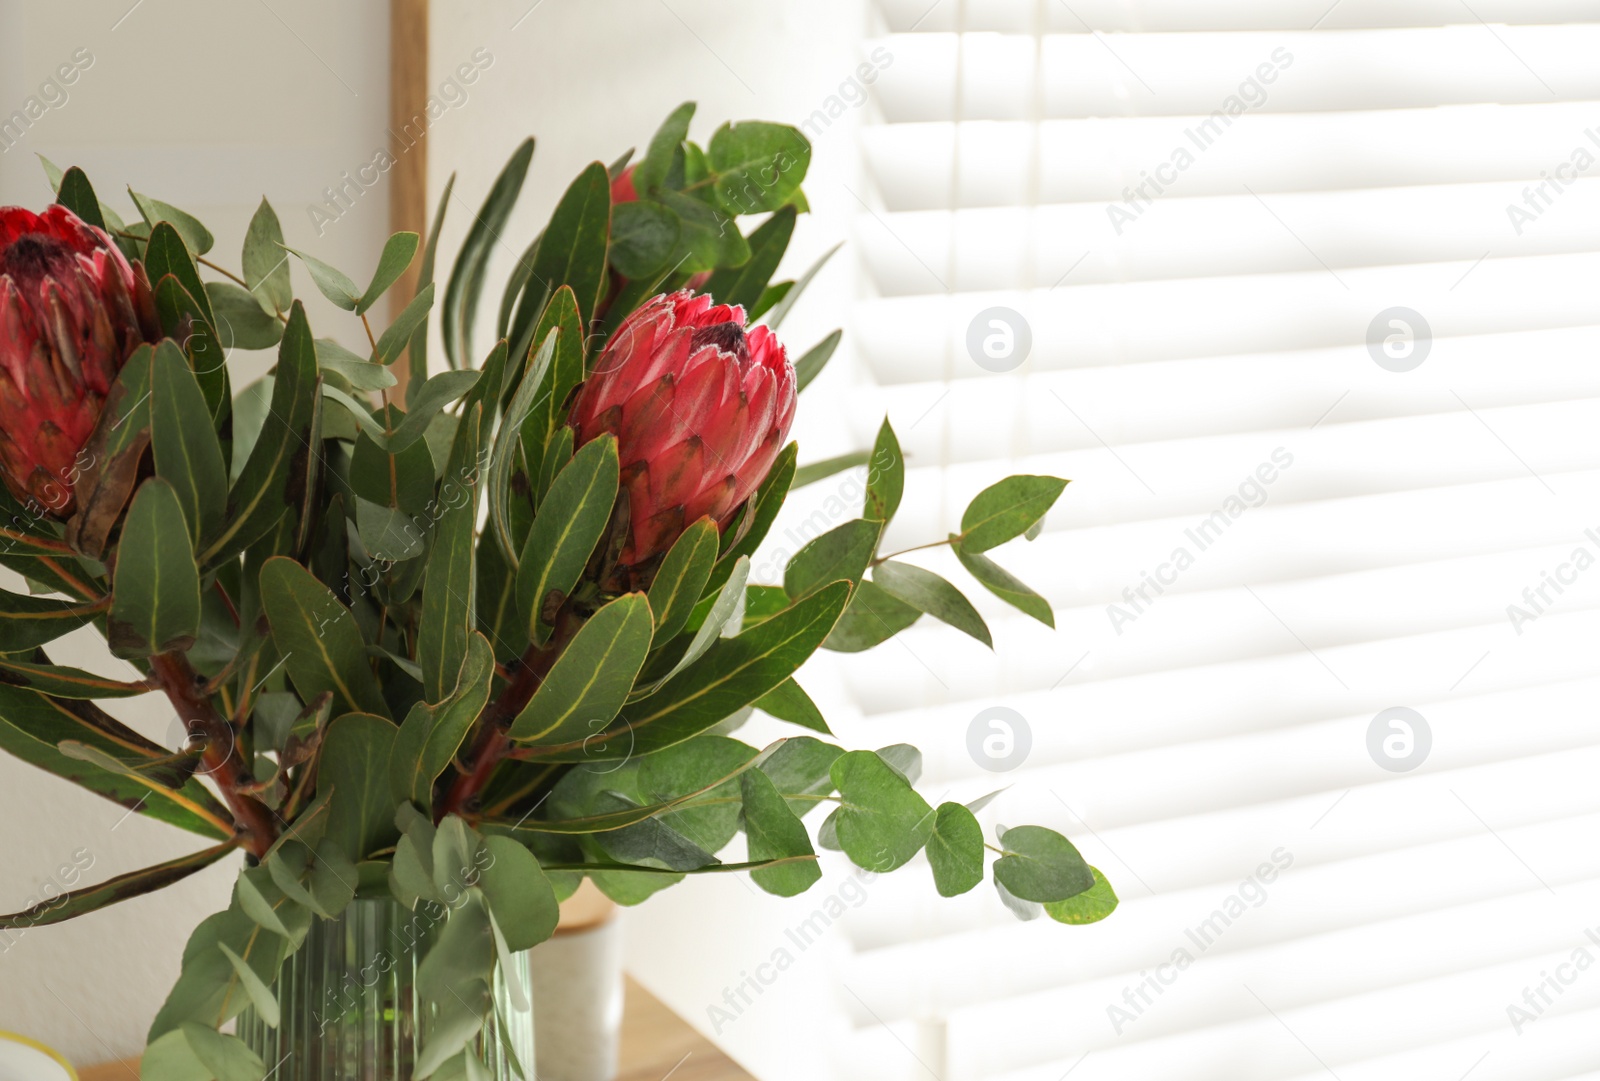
{"x": 222, "y": 758}
{"x": 494, "y": 739}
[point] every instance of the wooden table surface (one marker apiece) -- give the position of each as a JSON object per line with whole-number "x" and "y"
{"x": 655, "y": 1042}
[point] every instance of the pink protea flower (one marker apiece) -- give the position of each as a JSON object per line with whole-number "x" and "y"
{"x": 72, "y": 310}
{"x": 700, "y": 407}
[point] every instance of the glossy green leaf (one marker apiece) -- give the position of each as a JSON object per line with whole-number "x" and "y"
{"x": 743, "y": 285}
{"x": 929, "y": 593}
{"x": 1091, "y": 906}
{"x": 330, "y": 281}
{"x": 465, "y": 287}
{"x": 318, "y": 639}
{"x": 519, "y": 894}
{"x": 1003, "y": 584}
{"x": 448, "y": 581}
{"x": 439, "y": 391}
{"x": 261, "y": 997}
{"x": 277, "y": 477}
{"x": 801, "y": 770}
{"x": 682, "y": 578}
{"x": 26, "y": 622}
{"x": 266, "y": 262}
{"x": 761, "y": 512}
{"x": 707, "y": 237}
{"x": 812, "y": 472}
{"x": 241, "y": 324}
{"x": 166, "y": 253}
{"x": 955, "y": 850}
{"x": 841, "y": 554}
{"x": 652, "y": 169}
{"x": 63, "y": 682}
{"x": 759, "y": 165}
{"x": 875, "y": 615}
{"x": 417, "y": 358}
{"x": 432, "y": 734}
{"x": 187, "y": 453}
{"x": 886, "y": 477}
{"x": 774, "y": 833}
{"x": 881, "y": 822}
{"x": 392, "y": 342}
{"x": 155, "y": 605}
{"x": 398, "y": 251}
{"x": 74, "y": 192}
{"x": 504, "y": 459}
{"x": 573, "y": 251}
{"x": 196, "y": 236}
{"x": 590, "y": 680}
{"x": 643, "y": 237}
{"x": 571, "y": 521}
{"x": 813, "y": 360}
{"x": 733, "y": 673}
{"x": 354, "y": 773}
{"x": 65, "y": 906}
{"x": 359, "y": 371}
{"x": 788, "y": 701}
{"x": 1006, "y": 510}
{"x": 1040, "y": 865}
{"x": 723, "y": 618}
{"x": 226, "y": 1058}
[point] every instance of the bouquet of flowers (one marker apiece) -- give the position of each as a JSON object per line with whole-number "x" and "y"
{"x": 464, "y": 646}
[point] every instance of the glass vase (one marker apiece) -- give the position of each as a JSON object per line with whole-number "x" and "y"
{"x": 349, "y": 1009}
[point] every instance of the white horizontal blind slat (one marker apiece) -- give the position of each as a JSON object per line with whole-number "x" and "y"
{"x": 1229, "y": 313}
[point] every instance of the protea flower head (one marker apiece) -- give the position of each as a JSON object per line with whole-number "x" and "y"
{"x": 72, "y": 310}
{"x": 700, "y": 407}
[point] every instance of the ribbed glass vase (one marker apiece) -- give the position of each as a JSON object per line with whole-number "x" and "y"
{"x": 349, "y": 1008}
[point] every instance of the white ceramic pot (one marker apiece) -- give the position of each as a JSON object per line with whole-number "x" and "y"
{"x": 577, "y": 991}
{"x": 22, "y": 1059}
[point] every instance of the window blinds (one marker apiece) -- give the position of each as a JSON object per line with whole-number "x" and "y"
{"x": 1230, "y": 226}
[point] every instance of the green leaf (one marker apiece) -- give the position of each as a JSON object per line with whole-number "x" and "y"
{"x": 565, "y": 371}
{"x": 1003, "y": 584}
{"x": 155, "y": 605}
{"x": 101, "y": 895}
{"x": 391, "y": 475}
{"x": 255, "y": 903}
{"x": 591, "y": 679}
{"x": 431, "y": 735}
{"x": 652, "y": 169}
{"x": 571, "y": 521}
{"x": 354, "y": 773}
{"x": 788, "y": 701}
{"x": 227, "y": 1058}
{"x": 26, "y": 622}
{"x": 1041, "y": 865}
{"x": 447, "y": 583}
{"x": 573, "y": 251}
{"x": 278, "y": 476}
{"x": 707, "y": 816}
{"x": 261, "y": 998}
{"x": 1091, "y": 906}
{"x": 439, "y": 391}
{"x": 770, "y": 296}
{"x": 417, "y": 359}
{"x": 1007, "y": 509}
{"x": 187, "y": 453}
{"x": 114, "y": 454}
{"x": 927, "y": 592}
{"x": 841, "y": 554}
{"x": 780, "y": 311}
{"x": 811, "y": 363}
{"x": 761, "y": 511}
{"x": 799, "y": 769}
{"x": 722, "y": 619}
{"x": 166, "y": 253}
{"x": 812, "y": 472}
{"x": 503, "y": 461}
{"x": 398, "y": 251}
{"x": 643, "y": 237}
{"x": 195, "y": 236}
{"x": 743, "y": 285}
{"x": 241, "y": 324}
{"x": 392, "y": 342}
{"x": 707, "y": 237}
{"x": 74, "y": 192}
{"x": 265, "y": 261}
{"x": 519, "y": 894}
{"x": 682, "y": 578}
{"x": 775, "y": 833}
{"x": 33, "y": 726}
{"x": 318, "y": 638}
{"x": 882, "y": 822}
{"x": 496, "y": 604}
{"x": 759, "y": 165}
{"x": 330, "y": 281}
{"x": 466, "y": 280}
{"x": 63, "y": 682}
{"x": 733, "y": 673}
{"x": 886, "y": 480}
{"x": 955, "y": 850}
{"x": 360, "y": 372}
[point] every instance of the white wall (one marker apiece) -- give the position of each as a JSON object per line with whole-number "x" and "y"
{"x": 207, "y": 106}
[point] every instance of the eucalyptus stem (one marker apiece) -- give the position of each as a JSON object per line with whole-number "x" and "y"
{"x": 917, "y": 548}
